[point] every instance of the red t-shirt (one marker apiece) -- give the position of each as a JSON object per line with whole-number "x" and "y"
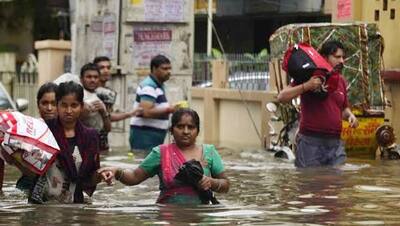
{"x": 324, "y": 116}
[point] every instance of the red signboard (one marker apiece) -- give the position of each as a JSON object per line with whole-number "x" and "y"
{"x": 344, "y": 9}
{"x": 152, "y": 36}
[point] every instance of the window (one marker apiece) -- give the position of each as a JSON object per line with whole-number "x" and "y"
{"x": 376, "y": 15}
{"x": 392, "y": 14}
{"x": 385, "y": 5}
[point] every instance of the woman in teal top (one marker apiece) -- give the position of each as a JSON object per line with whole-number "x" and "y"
{"x": 165, "y": 161}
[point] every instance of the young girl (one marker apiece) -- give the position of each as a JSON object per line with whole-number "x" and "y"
{"x": 74, "y": 170}
{"x": 79, "y": 145}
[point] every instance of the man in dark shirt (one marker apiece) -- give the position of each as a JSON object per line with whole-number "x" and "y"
{"x": 318, "y": 140}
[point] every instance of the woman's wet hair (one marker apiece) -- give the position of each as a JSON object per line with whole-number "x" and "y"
{"x": 177, "y": 116}
{"x": 48, "y": 87}
{"x": 330, "y": 47}
{"x": 70, "y": 88}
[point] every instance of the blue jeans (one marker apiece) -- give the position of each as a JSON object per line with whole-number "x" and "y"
{"x": 317, "y": 151}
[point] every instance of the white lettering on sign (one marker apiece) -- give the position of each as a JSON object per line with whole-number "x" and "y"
{"x": 152, "y": 35}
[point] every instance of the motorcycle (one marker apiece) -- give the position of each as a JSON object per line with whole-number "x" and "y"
{"x": 387, "y": 146}
{"x": 282, "y": 143}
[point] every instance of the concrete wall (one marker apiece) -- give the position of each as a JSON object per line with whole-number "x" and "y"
{"x": 130, "y": 35}
{"x": 392, "y": 93}
{"x": 227, "y": 116}
{"x": 358, "y": 10}
{"x": 51, "y": 54}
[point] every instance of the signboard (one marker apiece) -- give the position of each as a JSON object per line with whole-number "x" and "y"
{"x": 149, "y": 42}
{"x": 364, "y": 134}
{"x": 109, "y": 36}
{"x": 172, "y": 11}
{"x": 164, "y": 10}
{"x": 136, "y": 2}
{"x": 344, "y": 9}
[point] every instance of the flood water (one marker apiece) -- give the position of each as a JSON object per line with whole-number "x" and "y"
{"x": 264, "y": 191}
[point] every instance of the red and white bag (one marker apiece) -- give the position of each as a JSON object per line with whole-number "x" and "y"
{"x": 32, "y": 136}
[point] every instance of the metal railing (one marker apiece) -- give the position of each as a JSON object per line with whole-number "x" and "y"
{"x": 201, "y": 70}
{"x": 25, "y": 86}
{"x": 246, "y": 71}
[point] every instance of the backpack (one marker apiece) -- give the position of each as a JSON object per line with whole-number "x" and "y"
{"x": 301, "y": 61}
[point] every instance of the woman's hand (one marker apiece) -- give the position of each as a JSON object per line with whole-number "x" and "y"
{"x": 107, "y": 174}
{"x": 205, "y": 183}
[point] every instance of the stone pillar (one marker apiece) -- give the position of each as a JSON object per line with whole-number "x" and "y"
{"x": 51, "y": 55}
{"x": 211, "y": 117}
{"x": 220, "y": 73}
{"x": 7, "y": 69}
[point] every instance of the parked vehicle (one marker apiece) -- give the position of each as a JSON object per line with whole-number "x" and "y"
{"x": 6, "y": 102}
{"x": 282, "y": 143}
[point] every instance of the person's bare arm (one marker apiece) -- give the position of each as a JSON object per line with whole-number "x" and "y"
{"x": 118, "y": 116}
{"x": 149, "y": 111}
{"x": 125, "y": 176}
{"x": 219, "y": 183}
{"x": 350, "y": 117}
{"x": 291, "y": 92}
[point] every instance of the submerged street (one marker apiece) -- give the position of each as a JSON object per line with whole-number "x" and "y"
{"x": 264, "y": 191}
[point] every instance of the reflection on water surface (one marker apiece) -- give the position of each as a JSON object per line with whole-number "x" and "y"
{"x": 264, "y": 191}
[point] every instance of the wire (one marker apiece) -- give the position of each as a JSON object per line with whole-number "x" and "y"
{"x": 240, "y": 91}
{"x": 250, "y": 116}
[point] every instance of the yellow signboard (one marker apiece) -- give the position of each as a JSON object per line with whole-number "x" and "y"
{"x": 361, "y": 140}
{"x": 136, "y": 2}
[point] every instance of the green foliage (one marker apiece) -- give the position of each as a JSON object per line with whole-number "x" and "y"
{"x": 261, "y": 56}
{"x": 216, "y": 53}
{"x": 40, "y": 15}
{"x": 13, "y": 14}
{"x": 8, "y": 48}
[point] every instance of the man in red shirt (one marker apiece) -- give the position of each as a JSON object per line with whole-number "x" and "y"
{"x": 318, "y": 140}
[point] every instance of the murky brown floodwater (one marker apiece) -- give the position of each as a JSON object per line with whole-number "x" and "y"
{"x": 264, "y": 191}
